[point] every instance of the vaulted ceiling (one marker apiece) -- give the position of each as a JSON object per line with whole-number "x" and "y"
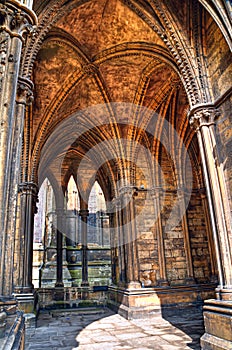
{"x": 106, "y": 53}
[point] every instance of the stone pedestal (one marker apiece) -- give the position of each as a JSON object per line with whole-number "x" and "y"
{"x": 218, "y": 325}
{"x": 146, "y": 302}
{"x": 26, "y": 302}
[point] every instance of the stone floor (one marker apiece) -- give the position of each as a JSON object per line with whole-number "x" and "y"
{"x": 102, "y": 329}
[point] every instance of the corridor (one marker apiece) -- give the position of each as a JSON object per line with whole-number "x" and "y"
{"x": 102, "y": 329}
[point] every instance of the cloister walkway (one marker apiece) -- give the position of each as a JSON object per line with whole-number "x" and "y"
{"x": 102, "y": 329}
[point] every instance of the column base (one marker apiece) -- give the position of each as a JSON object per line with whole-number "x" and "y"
{"x": 218, "y": 320}
{"x": 151, "y": 301}
{"x": 26, "y": 302}
{"x": 224, "y": 294}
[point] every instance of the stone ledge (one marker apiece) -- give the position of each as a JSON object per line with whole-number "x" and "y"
{"x": 210, "y": 342}
{"x": 218, "y": 325}
{"x": 146, "y": 302}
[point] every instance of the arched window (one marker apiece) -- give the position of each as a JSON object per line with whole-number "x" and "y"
{"x": 98, "y": 221}
{"x": 72, "y": 218}
{"x": 98, "y": 239}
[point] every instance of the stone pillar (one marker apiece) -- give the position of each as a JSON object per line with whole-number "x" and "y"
{"x": 204, "y": 123}
{"x": 120, "y": 241}
{"x": 121, "y": 245}
{"x": 84, "y": 216}
{"x": 24, "y": 290}
{"x": 16, "y": 21}
{"x": 213, "y": 278}
{"x": 156, "y": 193}
{"x": 217, "y": 313}
{"x": 59, "y": 247}
{"x": 129, "y": 236}
{"x": 187, "y": 246}
{"x": 113, "y": 242}
{"x": 28, "y": 198}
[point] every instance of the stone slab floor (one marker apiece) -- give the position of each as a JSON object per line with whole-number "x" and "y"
{"x": 102, "y": 329}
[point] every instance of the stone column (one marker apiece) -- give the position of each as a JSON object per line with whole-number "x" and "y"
{"x": 16, "y": 21}
{"x": 113, "y": 242}
{"x": 59, "y": 246}
{"x": 121, "y": 243}
{"x": 130, "y": 236}
{"x": 118, "y": 240}
{"x": 156, "y": 193}
{"x": 204, "y": 123}
{"x": 187, "y": 246}
{"x": 28, "y": 198}
{"x": 213, "y": 278}
{"x": 84, "y": 216}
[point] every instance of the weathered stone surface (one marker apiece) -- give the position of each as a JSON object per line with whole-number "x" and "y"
{"x": 105, "y": 330}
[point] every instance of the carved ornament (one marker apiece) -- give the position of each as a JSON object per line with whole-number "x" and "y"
{"x": 16, "y": 21}
{"x": 90, "y": 69}
{"x": 24, "y": 92}
{"x": 203, "y": 117}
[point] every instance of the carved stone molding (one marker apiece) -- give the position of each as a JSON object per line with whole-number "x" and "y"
{"x": 127, "y": 191}
{"x": 28, "y": 188}
{"x": 203, "y": 117}
{"x": 24, "y": 91}
{"x": 16, "y": 19}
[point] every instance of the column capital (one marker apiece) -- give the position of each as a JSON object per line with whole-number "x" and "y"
{"x": 17, "y": 19}
{"x": 24, "y": 91}
{"x": 28, "y": 188}
{"x": 128, "y": 191}
{"x": 203, "y": 117}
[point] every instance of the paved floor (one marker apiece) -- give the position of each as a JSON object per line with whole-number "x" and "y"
{"x": 102, "y": 329}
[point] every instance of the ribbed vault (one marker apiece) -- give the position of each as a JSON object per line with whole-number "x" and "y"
{"x": 99, "y": 53}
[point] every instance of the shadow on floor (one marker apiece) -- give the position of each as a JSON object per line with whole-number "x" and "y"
{"x": 102, "y": 329}
{"x": 189, "y": 320}
{"x": 59, "y": 329}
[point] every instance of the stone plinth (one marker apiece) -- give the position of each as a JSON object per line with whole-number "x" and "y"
{"x": 146, "y": 302}
{"x": 26, "y": 301}
{"x": 218, "y": 325}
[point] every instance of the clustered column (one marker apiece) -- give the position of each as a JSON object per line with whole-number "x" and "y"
{"x": 59, "y": 246}
{"x": 156, "y": 193}
{"x": 203, "y": 121}
{"x": 120, "y": 242}
{"x": 16, "y": 21}
{"x": 129, "y": 237}
{"x": 84, "y": 217}
{"x": 28, "y": 198}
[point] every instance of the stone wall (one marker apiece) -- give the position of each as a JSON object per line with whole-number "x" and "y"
{"x": 220, "y": 71}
